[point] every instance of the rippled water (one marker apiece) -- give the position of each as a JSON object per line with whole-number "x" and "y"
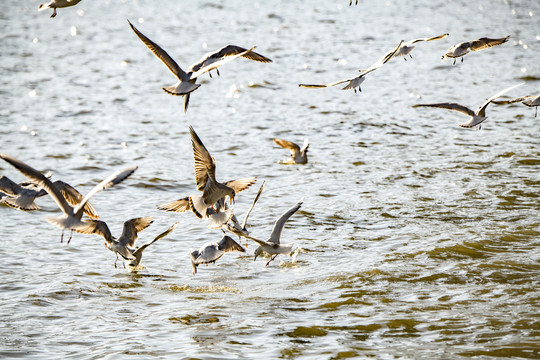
{"x": 419, "y": 239}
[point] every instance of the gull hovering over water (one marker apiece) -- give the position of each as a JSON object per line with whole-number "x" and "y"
{"x": 212, "y": 190}
{"x": 210, "y": 61}
{"x": 122, "y": 246}
{"x": 212, "y": 251}
{"x": 476, "y": 117}
{"x": 71, "y": 218}
{"x": 463, "y": 48}
{"x": 273, "y": 246}
{"x": 406, "y": 48}
{"x": 54, "y": 4}
{"x": 530, "y": 101}
{"x": 356, "y": 81}
{"x": 298, "y": 155}
{"x": 20, "y": 196}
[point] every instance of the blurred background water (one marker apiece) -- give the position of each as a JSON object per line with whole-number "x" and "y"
{"x": 419, "y": 239}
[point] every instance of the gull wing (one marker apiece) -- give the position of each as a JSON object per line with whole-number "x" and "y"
{"x": 305, "y": 145}
{"x": 227, "y": 244}
{"x": 484, "y": 43}
{"x": 139, "y": 251}
{"x": 110, "y": 181}
{"x": 205, "y": 166}
{"x": 450, "y": 106}
{"x": 180, "y": 205}
{"x": 41, "y": 180}
{"x": 482, "y": 109}
{"x": 240, "y": 184}
{"x": 244, "y": 223}
{"x": 9, "y": 187}
{"x": 161, "y": 54}
{"x": 318, "y": 86}
{"x": 280, "y": 223}
{"x": 289, "y": 145}
{"x": 426, "y": 39}
{"x": 132, "y": 228}
{"x": 96, "y": 227}
{"x": 74, "y": 197}
{"x": 505, "y": 102}
{"x": 381, "y": 61}
{"x": 215, "y": 60}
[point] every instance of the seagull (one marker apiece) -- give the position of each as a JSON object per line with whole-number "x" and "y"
{"x": 21, "y": 196}
{"x": 212, "y": 190}
{"x": 461, "y": 49}
{"x": 212, "y": 251}
{"x": 71, "y": 219}
{"x": 406, "y": 48}
{"x": 272, "y": 246}
{"x": 139, "y": 251}
{"x": 58, "y": 4}
{"x": 210, "y": 61}
{"x": 124, "y": 244}
{"x": 476, "y": 117}
{"x": 298, "y": 155}
{"x": 240, "y": 229}
{"x": 531, "y": 101}
{"x": 356, "y": 81}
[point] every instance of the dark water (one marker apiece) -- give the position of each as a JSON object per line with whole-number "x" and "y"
{"x": 417, "y": 239}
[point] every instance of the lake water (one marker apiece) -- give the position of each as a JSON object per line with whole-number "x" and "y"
{"x": 417, "y": 239}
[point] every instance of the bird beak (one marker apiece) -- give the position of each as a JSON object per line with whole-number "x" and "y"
{"x": 231, "y": 200}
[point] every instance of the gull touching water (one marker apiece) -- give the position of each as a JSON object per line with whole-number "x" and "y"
{"x": 212, "y": 251}
{"x": 273, "y": 246}
{"x": 210, "y": 61}
{"x": 54, "y": 4}
{"x": 298, "y": 155}
{"x": 406, "y": 48}
{"x": 71, "y": 219}
{"x": 124, "y": 244}
{"x": 356, "y": 81}
{"x": 476, "y": 117}
{"x": 531, "y": 101}
{"x": 205, "y": 178}
{"x": 462, "y": 49}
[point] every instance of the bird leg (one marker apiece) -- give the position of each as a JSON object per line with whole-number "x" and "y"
{"x": 272, "y": 258}
{"x": 462, "y": 59}
{"x": 454, "y": 63}
{"x": 53, "y": 13}
{"x": 70, "y": 235}
{"x": 217, "y": 72}
{"x": 535, "y": 110}
{"x": 115, "y": 260}
{"x": 62, "y": 236}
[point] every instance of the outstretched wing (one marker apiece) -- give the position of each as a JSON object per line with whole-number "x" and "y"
{"x": 138, "y": 253}
{"x": 227, "y": 244}
{"x": 382, "y": 60}
{"x": 449, "y": 106}
{"x": 427, "y": 39}
{"x": 132, "y": 228}
{"x": 484, "y": 43}
{"x": 205, "y": 166}
{"x": 482, "y": 109}
{"x": 161, "y": 54}
{"x": 224, "y": 55}
{"x": 96, "y": 227}
{"x": 280, "y": 223}
{"x": 240, "y": 184}
{"x": 244, "y": 223}
{"x": 74, "y": 197}
{"x": 180, "y": 205}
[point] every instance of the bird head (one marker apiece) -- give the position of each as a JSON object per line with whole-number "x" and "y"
{"x": 258, "y": 252}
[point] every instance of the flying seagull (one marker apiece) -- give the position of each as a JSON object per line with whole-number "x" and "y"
{"x": 476, "y": 117}
{"x": 205, "y": 178}
{"x": 356, "y": 81}
{"x": 54, "y": 4}
{"x": 124, "y": 244}
{"x": 212, "y": 251}
{"x": 298, "y": 155}
{"x": 463, "y": 48}
{"x": 210, "y": 61}
{"x": 407, "y": 47}
{"x": 531, "y": 101}
{"x": 71, "y": 219}
{"x": 273, "y": 246}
